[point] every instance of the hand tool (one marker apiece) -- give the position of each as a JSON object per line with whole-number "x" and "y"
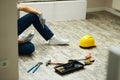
{"x": 34, "y": 68}
{"x": 88, "y": 62}
{"x": 87, "y": 58}
{"x": 52, "y": 63}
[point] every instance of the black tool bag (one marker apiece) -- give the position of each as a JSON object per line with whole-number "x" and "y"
{"x": 69, "y": 67}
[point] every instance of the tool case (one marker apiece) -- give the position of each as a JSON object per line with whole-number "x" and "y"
{"x": 69, "y": 67}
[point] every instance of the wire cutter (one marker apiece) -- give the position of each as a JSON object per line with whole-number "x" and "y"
{"x": 34, "y": 68}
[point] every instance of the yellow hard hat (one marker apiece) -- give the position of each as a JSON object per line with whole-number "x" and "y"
{"x": 87, "y": 41}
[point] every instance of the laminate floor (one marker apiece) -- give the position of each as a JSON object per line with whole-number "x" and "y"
{"x": 103, "y": 26}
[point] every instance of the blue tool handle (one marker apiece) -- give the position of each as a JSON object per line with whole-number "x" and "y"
{"x": 36, "y": 68}
{"x": 31, "y": 68}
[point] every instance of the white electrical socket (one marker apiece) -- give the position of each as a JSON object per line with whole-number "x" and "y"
{"x": 3, "y": 63}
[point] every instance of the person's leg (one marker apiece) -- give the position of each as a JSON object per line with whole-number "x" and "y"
{"x": 47, "y": 34}
{"x": 25, "y": 21}
{"x": 26, "y": 48}
{"x": 26, "y": 37}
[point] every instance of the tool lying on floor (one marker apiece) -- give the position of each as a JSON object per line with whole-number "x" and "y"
{"x": 34, "y": 68}
{"x": 52, "y": 63}
{"x": 73, "y": 65}
{"x": 88, "y": 56}
{"x": 87, "y": 61}
{"x": 69, "y": 67}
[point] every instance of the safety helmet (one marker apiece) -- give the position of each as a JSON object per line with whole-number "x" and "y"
{"x": 87, "y": 41}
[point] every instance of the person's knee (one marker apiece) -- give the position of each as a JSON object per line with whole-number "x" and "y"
{"x": 33, "y": 16}
{"x": 31, "y": 48}
{"x": 26, "y": 49}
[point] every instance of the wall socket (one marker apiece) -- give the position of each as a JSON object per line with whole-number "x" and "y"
{"x": 3, "y": 63}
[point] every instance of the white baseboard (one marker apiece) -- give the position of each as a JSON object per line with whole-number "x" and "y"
{"x": 113, "y": 11}
{"x": 95, "y": 9}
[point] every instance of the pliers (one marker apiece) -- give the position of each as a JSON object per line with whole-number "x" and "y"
{"x": 34, "y": 68}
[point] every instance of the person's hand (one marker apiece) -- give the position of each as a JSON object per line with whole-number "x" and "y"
{"x": 20, "y": 41}
{"x": 41, "y": 18}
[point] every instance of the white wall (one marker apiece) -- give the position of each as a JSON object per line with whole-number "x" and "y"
{"x": 100, "y": 5}
{"x": 8, "y": 40}
{"x": 95, "y": 3}
{"x": 110, "y": 8}
{"x": 60, "y": 10}
{"x": 109, "y": 3}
